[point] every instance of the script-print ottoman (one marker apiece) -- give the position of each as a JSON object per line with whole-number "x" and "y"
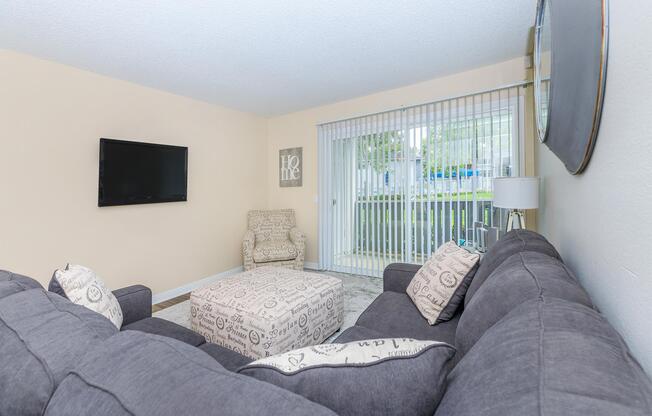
{"x": 268, "y": 310}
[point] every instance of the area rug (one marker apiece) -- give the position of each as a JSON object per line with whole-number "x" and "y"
{"x": 359, "y": 292}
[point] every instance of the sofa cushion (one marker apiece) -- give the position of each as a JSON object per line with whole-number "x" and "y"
{"x": 548, "y": 357}
{"x": 523, "y": 276}
{"x": 11, "y": 283}
{"x": 438, "y": 288}
{"x": 357, "y": 333}
{"x": 140, "y": 374}
{"x": 42, "y": 337}
{"x": 158, "y": 326}
{"x": 229, "y": 359}
{"x": 274, "y": 251}
{"x": 513, "y": 242}
{"x": 394, "y": 315}
{"x": 354, "y": 378}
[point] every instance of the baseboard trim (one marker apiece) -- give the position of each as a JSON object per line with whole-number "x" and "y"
{"x": 310, "y": 265}
{"x": 173, "y": 293}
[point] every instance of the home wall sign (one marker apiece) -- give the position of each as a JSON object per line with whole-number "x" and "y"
{"x": 290, "y": 167}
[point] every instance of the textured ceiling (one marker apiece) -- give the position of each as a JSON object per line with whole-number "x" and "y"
{"x": 269, "y": 57}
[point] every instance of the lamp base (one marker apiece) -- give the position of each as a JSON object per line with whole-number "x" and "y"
{"x": 515, "y": 221}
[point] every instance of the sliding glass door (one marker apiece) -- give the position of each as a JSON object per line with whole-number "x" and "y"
{"x": 395, "y": 185}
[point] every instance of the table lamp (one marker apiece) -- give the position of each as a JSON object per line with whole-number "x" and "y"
{"x": 516, "y": 194}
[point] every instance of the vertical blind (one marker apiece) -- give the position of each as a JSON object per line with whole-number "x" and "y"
{"x": 395, "y": 185}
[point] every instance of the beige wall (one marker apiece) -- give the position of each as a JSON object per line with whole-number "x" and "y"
{"x": 299, "y": 129}
{"x": 600, "y": 220}
{"x": 51, "y": 117}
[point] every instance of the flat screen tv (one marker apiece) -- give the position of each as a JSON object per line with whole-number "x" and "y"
{"x": 141, "y": 173}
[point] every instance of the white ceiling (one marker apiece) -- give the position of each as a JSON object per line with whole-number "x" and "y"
{"x": 269, "y": 57}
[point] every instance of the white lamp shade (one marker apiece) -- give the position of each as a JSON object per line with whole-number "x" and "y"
{"x": 516, "y": 192}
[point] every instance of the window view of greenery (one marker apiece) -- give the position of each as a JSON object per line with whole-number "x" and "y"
{"x": 438, "y": 174}
{"x": 452, "y": 160}
{"x": 404, "y": 191}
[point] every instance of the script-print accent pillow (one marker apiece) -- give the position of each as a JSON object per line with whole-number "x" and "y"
{"x": 83, "y": 287}
{"x": 438, "y": 288}
{"x": 393, "y": 376}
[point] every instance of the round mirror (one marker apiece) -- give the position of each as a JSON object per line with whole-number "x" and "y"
{"x": 570, "y": 68}
{"x": 542, "y": 67}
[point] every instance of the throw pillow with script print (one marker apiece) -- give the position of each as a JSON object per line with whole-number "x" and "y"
{"x": 438, "y": 288}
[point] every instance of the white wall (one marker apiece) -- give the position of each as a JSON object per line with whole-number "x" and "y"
{"x": 601, "y": 221}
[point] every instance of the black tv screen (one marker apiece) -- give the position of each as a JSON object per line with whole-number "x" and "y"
{"x": 141, "y": 173}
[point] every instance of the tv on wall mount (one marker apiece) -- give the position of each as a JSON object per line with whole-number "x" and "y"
{"x": 141, "y": 173}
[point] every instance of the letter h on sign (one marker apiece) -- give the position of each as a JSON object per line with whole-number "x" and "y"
{"x": 290, "y": 167}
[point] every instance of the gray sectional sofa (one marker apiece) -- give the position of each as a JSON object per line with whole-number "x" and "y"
{"x": 529, "y": 342}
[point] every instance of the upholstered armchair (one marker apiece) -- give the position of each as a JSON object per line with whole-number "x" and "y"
{"x": 272, "y": 239}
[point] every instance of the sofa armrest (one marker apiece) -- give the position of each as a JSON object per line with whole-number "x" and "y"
{"x": 298, "y": 238}
{"x": 248, "y": 243}
{"x": 397, "y": 276}
{"x": 136, "y": 303}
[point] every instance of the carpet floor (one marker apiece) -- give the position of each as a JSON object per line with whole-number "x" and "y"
{"x": 359, "y": 292}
